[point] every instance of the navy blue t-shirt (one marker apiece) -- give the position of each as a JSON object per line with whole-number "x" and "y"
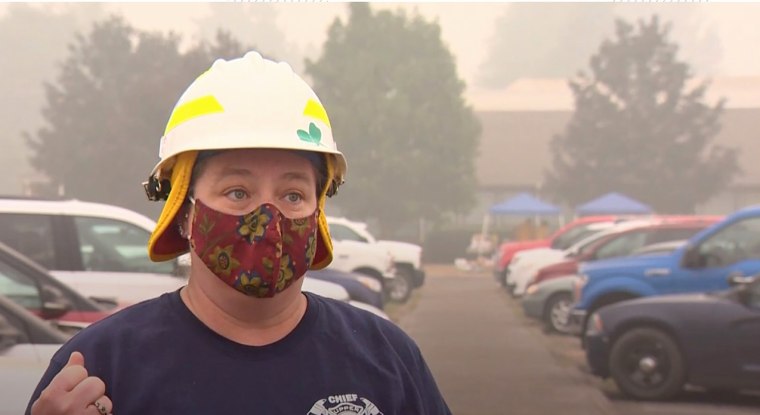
{"x": 156, "y": 357}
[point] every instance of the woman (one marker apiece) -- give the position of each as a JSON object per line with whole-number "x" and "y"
{"x": 247, "y": 162}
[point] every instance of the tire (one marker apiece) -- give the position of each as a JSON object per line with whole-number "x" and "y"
{"x": 647, "y": 364}
{"x": 400, "y": 288}
{"x": 557, "y": 313}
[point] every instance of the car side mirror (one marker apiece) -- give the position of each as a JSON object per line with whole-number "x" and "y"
{"x": 692, "y": 258}
{"x": 54, "y": 303}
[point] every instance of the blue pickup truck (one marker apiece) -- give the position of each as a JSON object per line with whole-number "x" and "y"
{"x": 730, "y": 249}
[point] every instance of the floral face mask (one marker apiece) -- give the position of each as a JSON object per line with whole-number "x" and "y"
{"x": 259, "y": 254}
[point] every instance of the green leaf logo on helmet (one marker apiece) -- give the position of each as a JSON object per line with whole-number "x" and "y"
{"x": 314, "y": 135}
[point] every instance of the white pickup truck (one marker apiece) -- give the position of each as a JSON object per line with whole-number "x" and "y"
{"x": 351, "y": 238}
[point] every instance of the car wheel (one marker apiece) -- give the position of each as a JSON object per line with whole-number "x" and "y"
{"x": 646, "y": 364}
{"x": 400, "y": 288}
{"x": 557, "y": 312}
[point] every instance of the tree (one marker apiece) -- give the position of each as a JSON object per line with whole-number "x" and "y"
{"x": 395, "y": 103}
{"x": 641, "y": 127}
{"x": 108, "y": 109}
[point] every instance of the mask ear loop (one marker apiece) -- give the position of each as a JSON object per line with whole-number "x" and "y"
{"x": 187, "y": 233}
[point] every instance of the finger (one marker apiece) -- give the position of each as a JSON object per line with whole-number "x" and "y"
{"x": 67, "y": 379}
{"x": 92, "y": 410}
{"x": 75, "y": 359}
{"x": 56, "y": 393}
{"x": 87, "y": 391}
{"x": 104, "y": 403}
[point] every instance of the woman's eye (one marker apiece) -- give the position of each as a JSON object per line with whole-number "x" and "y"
{"x": 237, "y": 194}
{"x": 293, "y": 197}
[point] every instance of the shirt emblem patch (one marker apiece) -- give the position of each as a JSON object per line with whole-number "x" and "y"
{"x": 348, "y": 404}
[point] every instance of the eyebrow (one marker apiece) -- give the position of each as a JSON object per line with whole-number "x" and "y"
{"x": 290, "y": 176}
{"x": 297, "y": 176}
{"x": 234, "y": 171}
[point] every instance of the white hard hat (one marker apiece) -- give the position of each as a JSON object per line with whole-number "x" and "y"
{"x": 249, "y": 102}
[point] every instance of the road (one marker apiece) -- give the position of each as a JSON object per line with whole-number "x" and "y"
{"x": 489, "y": 359}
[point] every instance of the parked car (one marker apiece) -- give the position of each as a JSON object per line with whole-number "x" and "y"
{"x": 525, "y": 264}
{"x": 560, "y": 240}
{"x": 616, "y": 243}
{"x": 98, "y": 250}
{"x": 730, "y": 247}
{"x": 32, "y": 287}
{"x": 406, "y": 258}
{"x": 652, "y": 346}
{"x": 26, "y": 345}
{"x": 550, "y": 301}
{"x": 360, "y": 287}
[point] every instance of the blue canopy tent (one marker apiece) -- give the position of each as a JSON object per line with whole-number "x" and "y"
{"x": 524, "y": 204}
{"x": 612, "y": 204}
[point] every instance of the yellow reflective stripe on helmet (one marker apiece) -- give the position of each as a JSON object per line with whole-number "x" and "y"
{"x": 315, "y": 110}
{"x": 195, "y": 108}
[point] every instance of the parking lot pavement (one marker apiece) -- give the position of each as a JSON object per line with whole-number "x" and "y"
{"x": 484, "y": 359}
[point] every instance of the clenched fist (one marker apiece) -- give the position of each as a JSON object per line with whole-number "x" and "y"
{"x": 73, "y": 392}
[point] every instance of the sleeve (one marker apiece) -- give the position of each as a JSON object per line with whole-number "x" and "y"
{"x": 48, "y": 376}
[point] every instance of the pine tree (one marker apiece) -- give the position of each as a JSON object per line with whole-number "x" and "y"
{"x": 641, "y": 127}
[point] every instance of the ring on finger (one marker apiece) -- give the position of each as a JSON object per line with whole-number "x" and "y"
{"x": 101, "y": 408}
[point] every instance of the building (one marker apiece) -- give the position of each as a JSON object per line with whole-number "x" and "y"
{"x": 519, "y": 122}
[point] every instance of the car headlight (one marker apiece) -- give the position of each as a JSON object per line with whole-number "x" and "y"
{"x": 531, "y": 289}
{"x": 371, "y": 283}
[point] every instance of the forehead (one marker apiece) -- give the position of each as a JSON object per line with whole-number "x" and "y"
{"x": 259, "y": 163}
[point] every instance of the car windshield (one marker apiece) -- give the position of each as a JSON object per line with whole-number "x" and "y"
{"x": 574, "y": 235}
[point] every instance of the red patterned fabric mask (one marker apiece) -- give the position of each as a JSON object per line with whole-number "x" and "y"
{"x": 259, "y": 254}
